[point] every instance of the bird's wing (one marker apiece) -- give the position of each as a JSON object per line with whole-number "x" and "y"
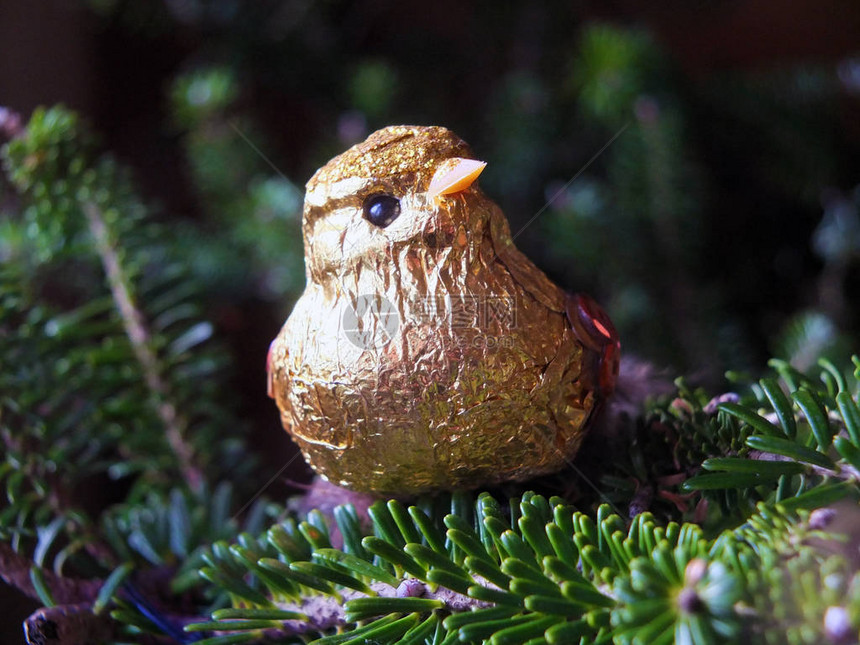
{"x": 589, "y": 323}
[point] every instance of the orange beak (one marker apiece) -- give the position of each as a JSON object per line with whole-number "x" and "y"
{"x": 455, "y": 175}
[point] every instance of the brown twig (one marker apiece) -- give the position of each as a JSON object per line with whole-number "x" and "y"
{"x": 139, "y": 336}
{"x": 72, "y": 621}
{"x": 69, "y": 625}
{"x": 15, "y": 570}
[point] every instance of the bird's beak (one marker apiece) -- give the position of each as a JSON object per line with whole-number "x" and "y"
{"x": 455, "y": 175}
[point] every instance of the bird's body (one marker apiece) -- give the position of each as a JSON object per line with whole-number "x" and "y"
{"x": 427, "y": 352}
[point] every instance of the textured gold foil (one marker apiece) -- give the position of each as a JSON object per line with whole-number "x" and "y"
{"x": 429, "y": 354}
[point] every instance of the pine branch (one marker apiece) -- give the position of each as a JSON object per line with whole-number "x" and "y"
{"x": 749, "y": 467}
{"x": 101, "y": 378}
{"x": 319, "y": 613}
{"x": 140, "y": 338}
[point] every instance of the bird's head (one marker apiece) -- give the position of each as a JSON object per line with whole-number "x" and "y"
{"x": 404, "y": 190}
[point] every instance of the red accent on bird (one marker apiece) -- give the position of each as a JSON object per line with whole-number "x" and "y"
{"x": 270, "y": 389}
{"x": 596, "y": 331}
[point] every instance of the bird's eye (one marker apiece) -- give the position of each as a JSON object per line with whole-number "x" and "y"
{"x": 381, "y": 209}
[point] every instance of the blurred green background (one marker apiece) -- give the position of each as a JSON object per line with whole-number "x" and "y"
{"x": 719, "y": 228}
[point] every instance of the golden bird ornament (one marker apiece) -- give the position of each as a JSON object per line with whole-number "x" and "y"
{"x": 426, "y": 352}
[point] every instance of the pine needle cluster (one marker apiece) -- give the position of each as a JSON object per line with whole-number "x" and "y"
{"x": 114, "y": 381}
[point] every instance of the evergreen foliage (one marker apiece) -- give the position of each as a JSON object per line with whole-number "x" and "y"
{"x": 109, "y": 374}
{"x": 737, "y": 509}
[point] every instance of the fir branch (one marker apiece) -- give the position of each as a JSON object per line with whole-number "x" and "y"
{"x": 322, "y": 613}
{"x": 552, "y": 575}
{"x": 139, "y": 336}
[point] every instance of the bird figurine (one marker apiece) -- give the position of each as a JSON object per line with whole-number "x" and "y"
{"x": 426, "y": 352}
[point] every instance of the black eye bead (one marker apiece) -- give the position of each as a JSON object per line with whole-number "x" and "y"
{"x": 381, "y": 209}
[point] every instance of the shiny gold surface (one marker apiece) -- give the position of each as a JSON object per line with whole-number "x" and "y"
{"x": 428, "y": 354}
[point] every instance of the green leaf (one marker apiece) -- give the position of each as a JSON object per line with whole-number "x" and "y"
{"x": 456, "y": 621}
{"x": 389, "y": 632}
{"x": 429, "y": 558}
{"x": 781, "y": 406}
{"x": 287, "y": 544}
{"x": 788, "y": 448}
{"x": 329, "y": 574}
{"x": 837, "y": 375}
{"x": 257, "y": 614}
{"x": 792, "y": 377}
{"x": 394, "y": 555}
{"x": 428, "y": 529}
{"x": 422, "y": 632}
{"x": 449, "y": 579}
{"x": 821, "y": 495}
{"x": 592, "y": 557}
{"x": 470, "y": 545}
{"x": 404, "y": 522}
{"x": 850, "y": 414}
{"x": 518, "y": 549}
{"x": 384, "y": 525}
{"x": 363, "y": 608}
{"x": 658, "y": 631}
{"x": 486, "y": 507}
{"x": 350, "y": 528}
{"x": 757, "y": 466}
{"x": 110, "y": 586}
{"x": 315, "y": 532}
{"x": 488, "y": 570}
{"x": 276, "y": 583}
{"x": 478, "y": 632}
{"x": 562, "y": 571}
{"x": 585, "y": 593}
{"x": 555, "y": 605}
{"x": 234, "y": 586}
{"x": 194, "y": 336}
{"x": 750, "y": 418}
{"x": 516, "y": 634}
{"x": 527, "y": 587}
{"x": 220, "y": 505}
{"x": 816, "y": 415}
{"x": 138, "y": 541}
{"x": 848, "y": 451}
{"x": 287, "y": 571}
{"x": 566, "y": 633}
{"x": 534, "y": 532}
{"x": 231, "y": 625}
{"x": 180, "y": 524}
{"x": 562, "y": 544}
{"x": 37, "y": 578}
{"x": 585, "y": 528}
{"x": 46, "y": 537}
{"x": 496, "y": 596}
{"x": 358, "y": 566}
{"x": 229, "y": 639}
{"x": 359, "y": 632}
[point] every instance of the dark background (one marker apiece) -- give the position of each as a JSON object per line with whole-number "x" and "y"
{"x": 719, "y": 229}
